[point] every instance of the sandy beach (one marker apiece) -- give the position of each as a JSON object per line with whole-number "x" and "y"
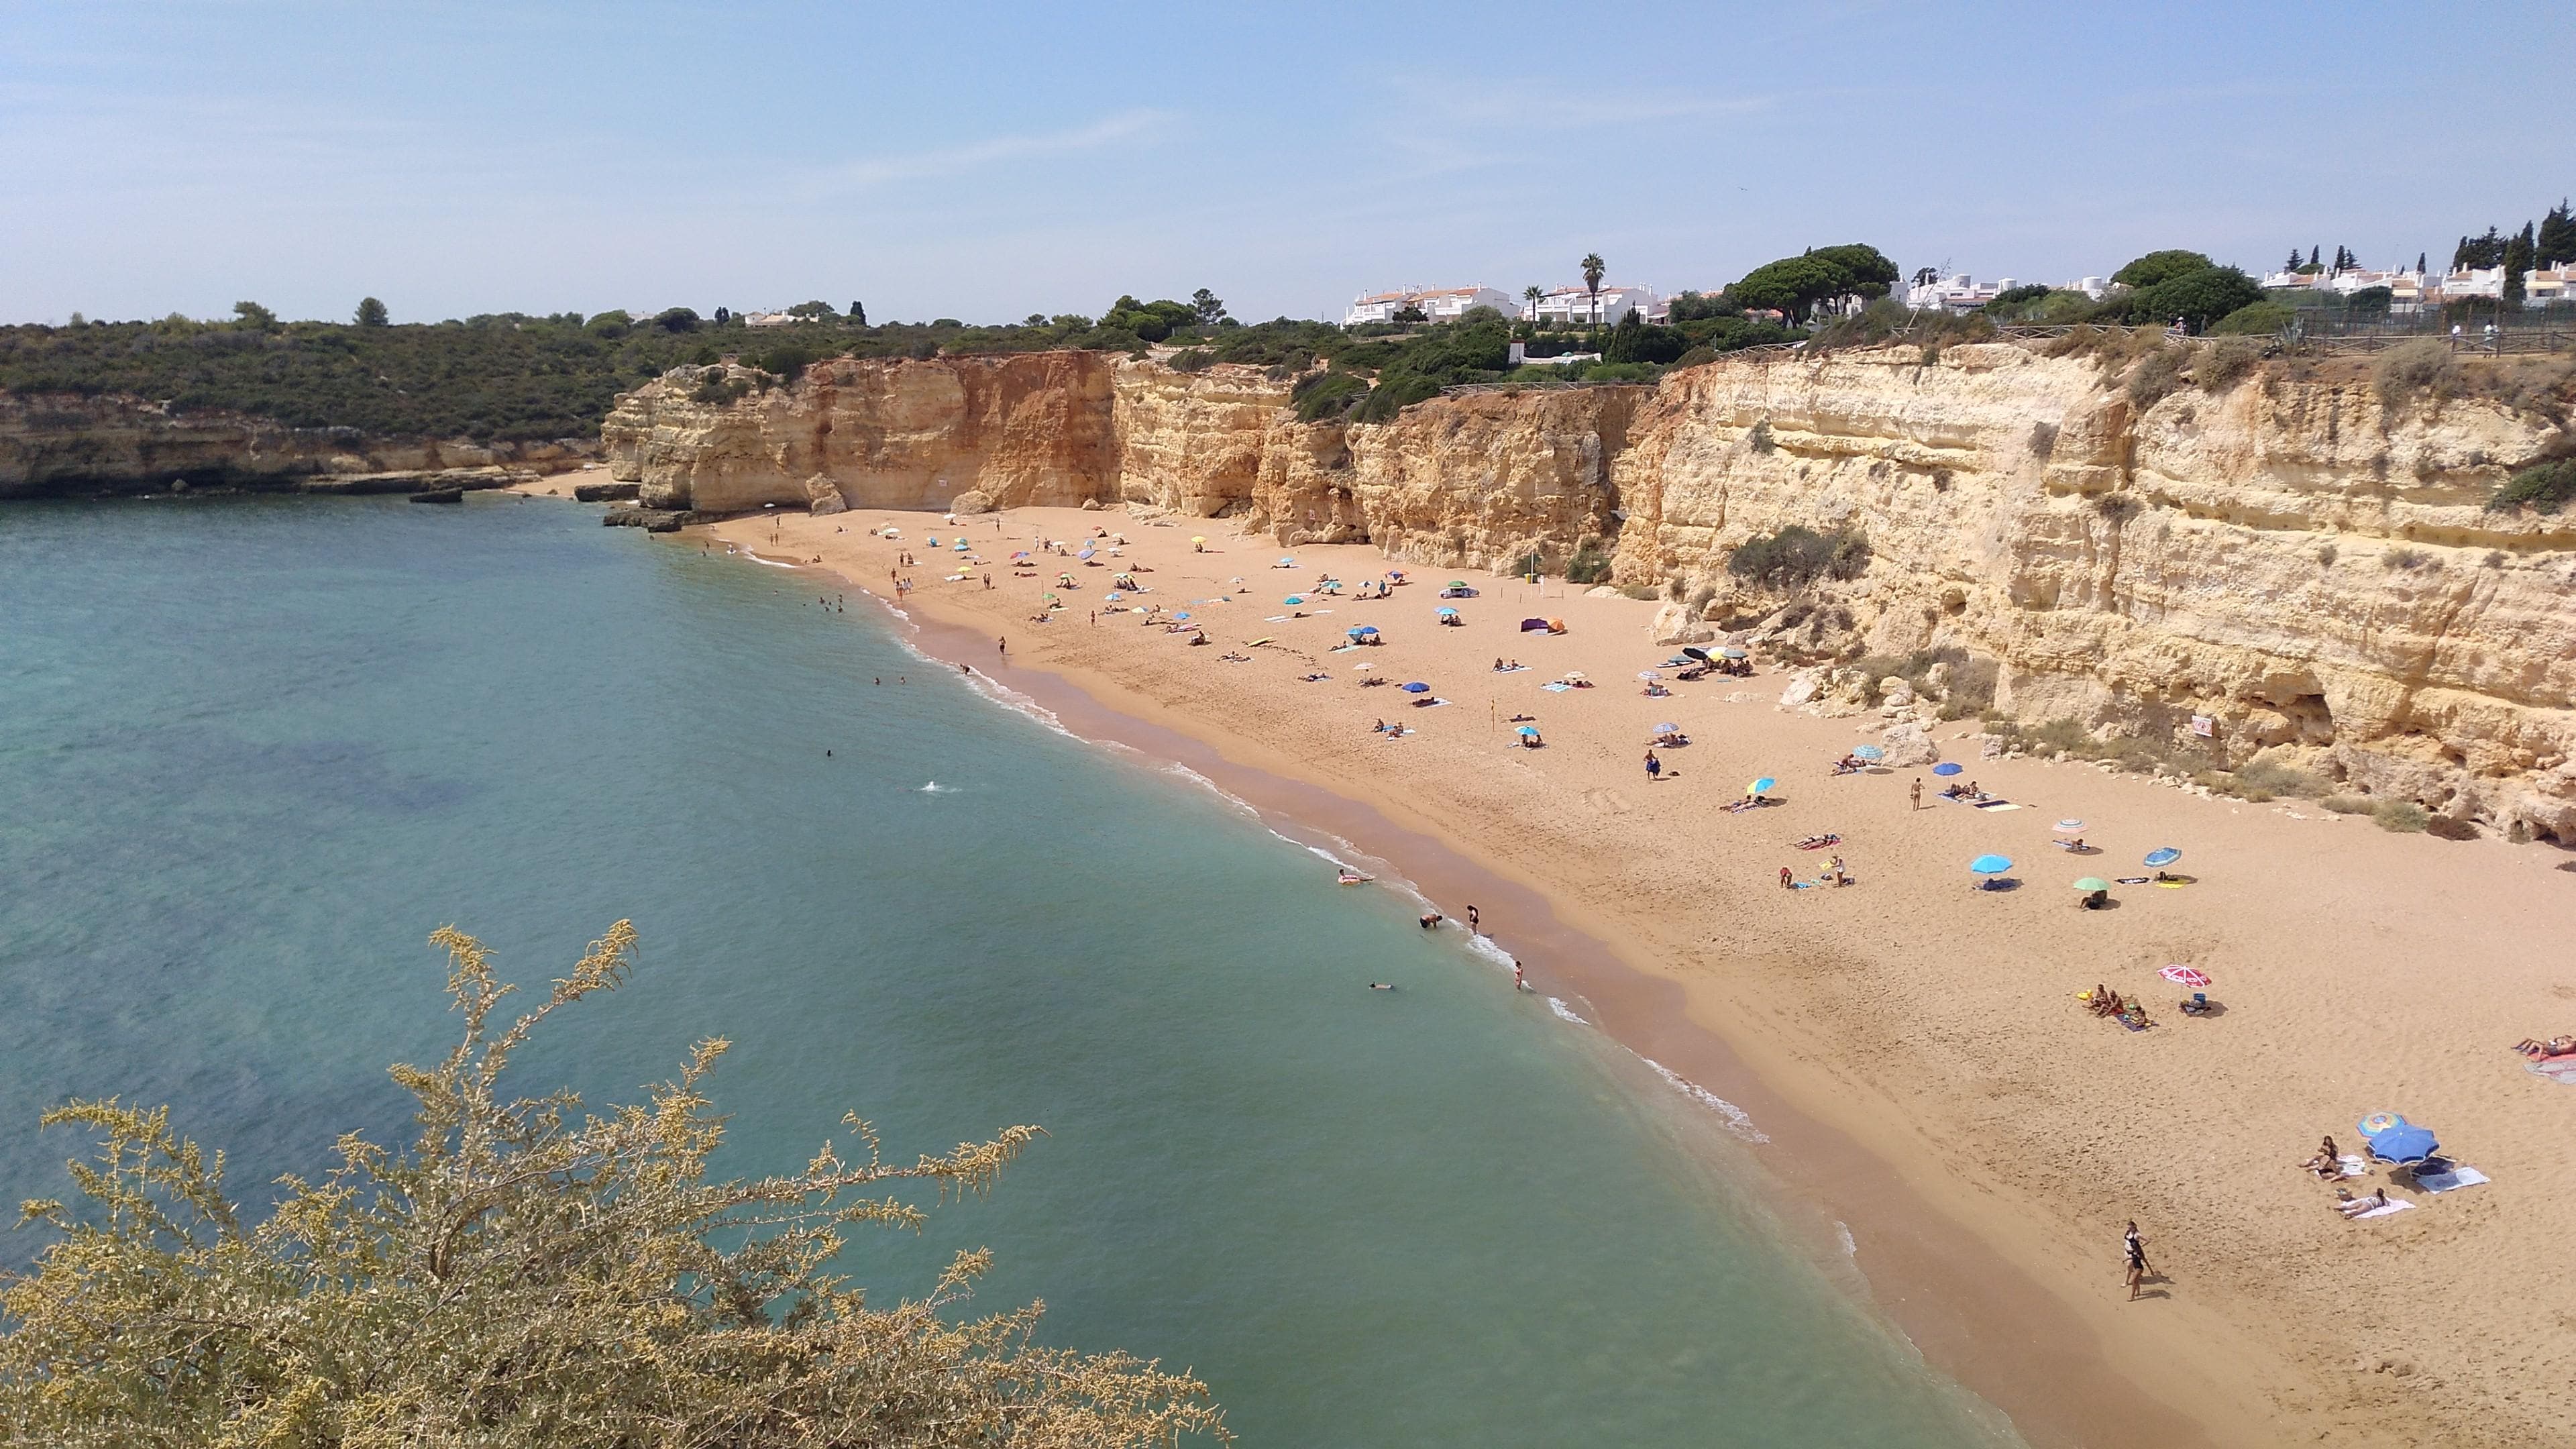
{"x": 1912, "y": 1047}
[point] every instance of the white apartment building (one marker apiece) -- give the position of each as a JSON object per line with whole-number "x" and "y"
{"x": 1963, "y": 293}
{"x": 1574, "y": 307}
{"x": 1437, "y": 304}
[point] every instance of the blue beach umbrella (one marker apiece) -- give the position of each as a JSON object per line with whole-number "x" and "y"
{"x": 1948, "y": 767}
{"x": 2163, "y": 856}
{"x": 1364, "y": 631}
{"x": 1294, "y": 599}
{"x": 1667, "y": 727}
{"x": 1990, "y": 865}
{"x": 1180, "y": 616}
{"x": 2404, "y": 1143}
{"x": 1416, "y": 687}
{"x": 1531, "y": 730}
{"x": 1761, "y": 785}
{"x": 1868, "y": 752}
{"x": 1448, "y": 613}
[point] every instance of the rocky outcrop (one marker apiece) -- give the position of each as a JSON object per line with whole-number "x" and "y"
{"x": 2284, "y": 566}
{"x": 1033, "y": 428}
{"x": 67, "y": 445}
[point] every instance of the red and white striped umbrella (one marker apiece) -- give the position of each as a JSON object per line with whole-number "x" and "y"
{"x": 2185, "y": 976}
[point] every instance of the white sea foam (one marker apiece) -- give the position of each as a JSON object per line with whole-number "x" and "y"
{"x": 1842, "y": 1234}
{"x": 935, "y": 788}
{"x": 1738, "y": 1121}
{"x": 770, "y": 562}
{"x": 1557, "y": 1005}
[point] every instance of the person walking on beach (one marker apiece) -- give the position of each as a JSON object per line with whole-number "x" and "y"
{"x": 1918, "y": 792}
{"x": 1520, "y": 978}
{"x": 1654, "y": 768}
{"x": 1472, "y": 918}
{"x": 1002, "y": 644}
{"x": 2137, "y": 1251}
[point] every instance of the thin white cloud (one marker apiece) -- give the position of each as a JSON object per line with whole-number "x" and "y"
{"x": 952, "y": 160}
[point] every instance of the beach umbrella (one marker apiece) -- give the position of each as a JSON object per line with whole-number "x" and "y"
{"x": 1990, "y": 865}
{"x": 2163, "y": 856}
{"x": 2092, "y": 883}
{"x": 1394, "y": 575}
{"x": 1947, "y": 767}
{"x": 1457, "y": 583}
{"x": 1286, "y": 563}
{"x": 1667, "y": 727}
{"x": 2378, "y": 1122}
{"x": 1447, "y": 612}
{"x": 1198, "y": 538}
{"x": 1415, "y": 687}
{"x": 2405, "y": 1142}
{"x": 2185, "y": 976}
{"x": 1182, "y": 615}
{"x": 961, "y": 547}
{"x": 1695, "y": 652}
{"x": 1086, "y": 553}
{"x": 1023, "y": 553}
{"x": 1530, "y": 730}
{"x": 1364, "y": 666}
{"x": 1730, "y": 653}
{"x": 1113, "y": 596}
{"x": 1294, "y": 599}
{"x": 1758, "y": 786}
{"x": 1573, "y": 674}
{"x": 1868, "y": 752}
{"x": 2068, "y": 827}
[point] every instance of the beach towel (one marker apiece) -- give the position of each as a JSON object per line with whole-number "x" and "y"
{"x": 1995, "y": 805}
{"x": 1276, "y": 619}
{"x": 2394, "y": 1206}
{"x": 2557, "y": 1068}
{"x": 2353, "y": 1166}
{"x": 1433, "y": 703}
{"x": 2133, "y": 879}
{"x": 1556, "y": 688}
{"x": 2451, "y": 1181}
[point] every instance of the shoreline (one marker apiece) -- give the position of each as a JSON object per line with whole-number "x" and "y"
{"x": 1993, "y": 1283}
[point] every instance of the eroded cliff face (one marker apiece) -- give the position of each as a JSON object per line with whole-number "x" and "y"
{"x": 1031, "y": 429}
{"x": 2312, "y": 572}
{"x": 65, "y": 444}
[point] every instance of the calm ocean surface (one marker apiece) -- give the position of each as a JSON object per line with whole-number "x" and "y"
{"x": 253, "y": 751}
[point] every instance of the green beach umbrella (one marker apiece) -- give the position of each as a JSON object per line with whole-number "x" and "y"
{"x": 2092, "y": 883}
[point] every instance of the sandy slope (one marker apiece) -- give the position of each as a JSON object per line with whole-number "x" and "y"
{"x": 1935, "y": 1024}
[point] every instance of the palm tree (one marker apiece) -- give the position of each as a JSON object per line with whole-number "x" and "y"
{"x": 1533, "y": 296}
{"x": 1592, "y": 274}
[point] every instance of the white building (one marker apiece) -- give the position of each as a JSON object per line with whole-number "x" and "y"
{"x": 1964, "y": 293}
{"x": 1574, "y": 307}
{"x": 1437, "y": 304}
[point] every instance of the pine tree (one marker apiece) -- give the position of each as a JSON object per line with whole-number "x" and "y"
{"x": 2312, "y": 258}
{"x": 2419, "y": 263}
{"x": 2517, "y": 260}
{"x": 2292, "y": 264}
{"x": 2556, "y": 244}
{"x": 858, "y": 314}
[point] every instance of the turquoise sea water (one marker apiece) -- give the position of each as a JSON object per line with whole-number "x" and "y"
{"x": 253, "y": 751}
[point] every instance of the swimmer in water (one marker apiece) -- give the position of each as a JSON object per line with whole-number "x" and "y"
{"x": 1381, "y": 986}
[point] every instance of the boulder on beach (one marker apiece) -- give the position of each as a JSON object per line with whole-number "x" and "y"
{"x": 972, "y": 501}
{"x": 1803, "y": 688}
{"x": 1908, "y": 745}
{"x": 604, "y": 492}
{"x": 823, "y": 497}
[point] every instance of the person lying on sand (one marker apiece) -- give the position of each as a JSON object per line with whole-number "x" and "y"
{"x": 2556, "y": 1046}
{"x": 2353, "y": 1207}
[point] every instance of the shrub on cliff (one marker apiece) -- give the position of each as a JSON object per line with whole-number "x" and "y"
{"x": 2422, "y": 368}
{"x": 2256, "y": 319}
{"x": 1321, "y": 395}
{"x": 1797, "y": 556}
{"x": 2545, "y": 488}
{"x": 522, "y": 1272}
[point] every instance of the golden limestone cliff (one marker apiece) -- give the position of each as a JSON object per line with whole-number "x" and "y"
{"x": 64, "y": 443}
{"x": 2306, "y": 568}
{"x": 1029, "y": 429}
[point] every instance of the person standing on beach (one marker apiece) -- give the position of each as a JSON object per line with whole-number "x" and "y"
{"x": 1472, "y": 918}
{"x": 1002, "y": 644}
{"x": 1654, "y": 767}
{"x": 2137, "y": 1251}
{"x": 1918, "y": 792}
{"x": 1520, "y": 978}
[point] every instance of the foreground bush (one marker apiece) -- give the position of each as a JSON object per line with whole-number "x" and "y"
{"x": 524, "y": 1274}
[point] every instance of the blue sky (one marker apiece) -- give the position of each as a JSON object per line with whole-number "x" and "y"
{"x": 986, "y": 161}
